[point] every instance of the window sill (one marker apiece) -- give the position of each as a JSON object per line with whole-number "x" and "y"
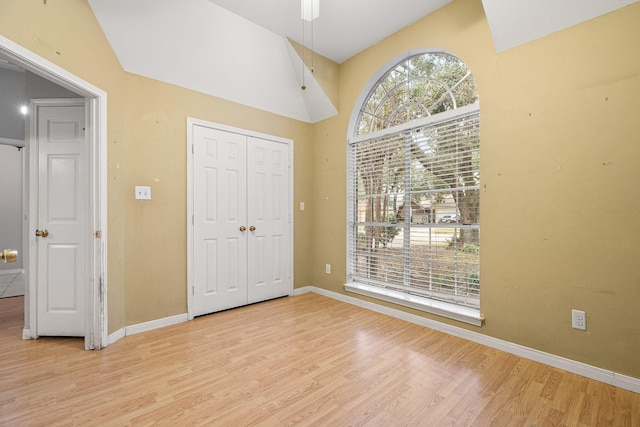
{"x": 444, "y": 309}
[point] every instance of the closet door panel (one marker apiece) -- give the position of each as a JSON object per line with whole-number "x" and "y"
{"x": 269, "y": 205}
{"x": 219, "y": 245}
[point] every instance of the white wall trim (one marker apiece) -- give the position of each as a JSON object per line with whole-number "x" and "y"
{"x": 589, "y": 371}
{"x": 147, "y": 326}
{"x": 12, "y": 271}
{"x": 26, "y": 334}
{"x": 96, "y": 105}
{"x": 155, "y": 324}
{"x": 304, "y": 290}
{"x": 440, "y": 308}
{"x": 117, "y": 335}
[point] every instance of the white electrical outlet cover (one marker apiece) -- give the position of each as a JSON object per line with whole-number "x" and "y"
{"x": 579, "y": 320}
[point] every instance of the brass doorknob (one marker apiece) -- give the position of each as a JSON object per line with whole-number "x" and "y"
{"x": 243, "y": 228}
{"x": 42, "y": 233}
{"x": 9, "y": 255}
{"x": 252, "y": 228}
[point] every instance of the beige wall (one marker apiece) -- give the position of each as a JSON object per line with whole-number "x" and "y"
{"x": 156, "y": 155}
{"x": 325, "y": 71}
{"x": 560, "y": 145}
{"x": 147, "y": 146}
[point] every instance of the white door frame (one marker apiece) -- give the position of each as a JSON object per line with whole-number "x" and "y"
{"x": 191, "y": 122}
{"x": 96, "y": 332}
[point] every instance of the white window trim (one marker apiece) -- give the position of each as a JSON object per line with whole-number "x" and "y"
{"x": 441, "y": 308}
{"x": 469, "y": 315}
{"x": 445, "y": 116}
{"x": 453, "y": 311}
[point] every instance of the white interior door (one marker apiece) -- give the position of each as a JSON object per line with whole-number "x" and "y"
{"x": 219, "y": 216}
{"x": 240, "y": 239}
{"x": 62, "y": 224}
{"x": 268, "y": 219}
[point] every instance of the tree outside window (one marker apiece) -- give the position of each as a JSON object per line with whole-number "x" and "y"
{"x": 414, "y": 182}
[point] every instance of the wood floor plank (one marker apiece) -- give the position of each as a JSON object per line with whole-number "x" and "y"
{"x": 304, "y": 360}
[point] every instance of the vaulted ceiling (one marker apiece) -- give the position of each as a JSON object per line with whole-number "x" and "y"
{"x": 239, "y": 49}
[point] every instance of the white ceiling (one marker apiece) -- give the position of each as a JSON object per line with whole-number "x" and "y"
{"x": 514, "y": 23}
{"x": 343, "y": 27}
{"x": 238, "y": 49}
{"x": 199, "y": 45}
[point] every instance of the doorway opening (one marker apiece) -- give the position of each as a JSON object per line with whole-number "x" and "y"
{"x": 95, "y": 104}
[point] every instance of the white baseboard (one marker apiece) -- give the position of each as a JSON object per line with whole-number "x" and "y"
{"x": 12, "y": 271}
{"x": 147, "y": 326}
{"x": 589, "y": 371}
{"x": 155, "y": 324}
{"x": 117, "y": 335}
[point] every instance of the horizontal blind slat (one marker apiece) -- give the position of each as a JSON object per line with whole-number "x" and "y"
{"x": 436, "y": 167}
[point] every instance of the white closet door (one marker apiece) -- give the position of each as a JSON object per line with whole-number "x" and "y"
{"x": 220, "y": 247}
{"x": 268, "y": 220}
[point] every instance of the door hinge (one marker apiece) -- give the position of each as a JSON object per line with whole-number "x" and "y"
{"x": 193, "y": 290}
{"x": 193, "y": 150}
{"x": 193, "y": 221}
{"x": 97, "y": 234}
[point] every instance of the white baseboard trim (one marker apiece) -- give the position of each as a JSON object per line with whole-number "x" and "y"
{"x": 304, "y": 290}
{"x": 155, "y": 324}
{"x": 147, "y": 326}
{"x": 117, "y": 335}
{"x": 589, "y": 371}
{"x": 12, "y": 271}
{"x": 26, "y": 334}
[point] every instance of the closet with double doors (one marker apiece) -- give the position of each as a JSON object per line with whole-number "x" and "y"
{"x": 240, "y": 208}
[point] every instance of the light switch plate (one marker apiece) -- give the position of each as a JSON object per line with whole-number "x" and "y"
{"x": 143, "y": 193}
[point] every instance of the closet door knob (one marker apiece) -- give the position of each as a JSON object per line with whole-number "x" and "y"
{"x": 252, "y": 228}
{"x": 243, "y": 228}
{"x": 42, "y": 233}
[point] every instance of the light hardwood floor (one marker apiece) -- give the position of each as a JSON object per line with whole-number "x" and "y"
{"x": 304, "y": 360}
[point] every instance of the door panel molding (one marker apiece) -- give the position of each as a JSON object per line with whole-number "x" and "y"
{"x": 287, "y": 217}
{"x": 96, "y": 335}
{"x": 59, "y": 176}
{"x": 267, "y": 213}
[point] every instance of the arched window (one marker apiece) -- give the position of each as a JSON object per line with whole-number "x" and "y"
{"x": 414, "y": 184}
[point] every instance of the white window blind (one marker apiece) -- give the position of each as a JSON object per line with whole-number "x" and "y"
{"x": 414, "y": 210}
